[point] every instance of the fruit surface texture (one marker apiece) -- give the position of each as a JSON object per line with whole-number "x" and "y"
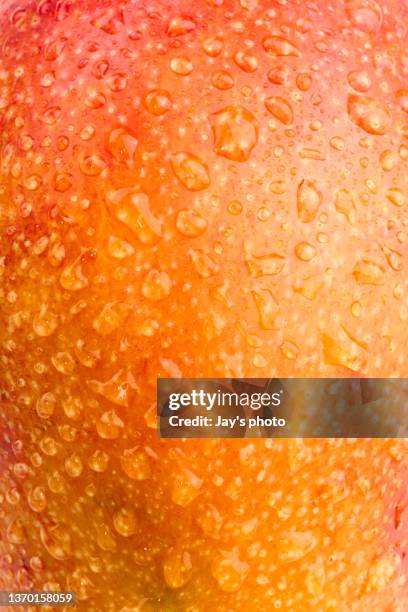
{"x": 211, "y": 188}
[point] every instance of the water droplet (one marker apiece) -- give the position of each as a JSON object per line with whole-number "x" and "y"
{"x": 73, "y": 465}
{"x": 16, "y": 533}
{"x": 51, "y": 115}
{"x": 276, "y": 46}
{"x": 190, "y": 171}
{"x": 110, "y": 425}
{"x": 105, "y": 538}
{"x": 295, "y": 545}
{"x": 369, "y": 114}
{"x": 190, "y": 223}
{"x": 115, "y": 390}
{"x": 108, "y": 319}
{"x": 223, "y": 80}
{"x": 337, "y": 143}
{"x": 100, "y": 69}
{"x": 359, "y": 80}
{"x": 366, "y": 15}
{"x": 33, "y": 182}
{"x": 235, "y": 132}
{"x": 119, "y": 248}
{"x": 72, "y": 278}
{"x": 56, "y": 254}
{"x": 45, "y": 322}
{"x": 57, "y": 541}
{"x": 133, "y": 209}
{"x": 269, "y": 264}
{"x": 186, "y": 487}
{"x": 95, "y": 99}
{"x": 204, "y": 264}
{"x": 267, "y": 308}
{"x": 98, "y": 461}
{"x": 118, "y": 82}
{"x": 388, "y": 160}
{"x": 157, "y": 102}
{"x": 177, "y": 568}
{"x": 280, "y": 109}
{"x": 367, "y": 272}
{"x": 180, "y": 25}
{"x": 135, "y": 463}
{"x": 124, "y": 522}
{"x": 37, "y": 499}
{"x": 309, "y": 200}
{"x": 156, "y": 285}
{"x": 304, "y": 81}
{"x": 46, "y": 405}
{"x": 92, "y": 165}
{"x": 122, "y": 145}
{"x": 402, "y": 98}
{"x": 229, "y": 571}
{"x": 247, "y": 63}
{"x": 394, "y": 259}
{"x": 344, "y": 203}
{"x": 289, "y": 349}
{"x": 62, "y": 182}
{"x": 234, "y": 207}
{"x": 63, "y": 362}
{"x": 213, "y": 46}
{"x": 279, "y": 75}
{"x": 181, "y": 66}
{"x": 305, "y": 251}
{"x": 396, "y": 197}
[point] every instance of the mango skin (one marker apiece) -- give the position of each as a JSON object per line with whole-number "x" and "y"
{"x": 199, "y": 189}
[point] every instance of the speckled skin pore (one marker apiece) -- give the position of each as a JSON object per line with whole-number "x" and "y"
{"x": 199, "y": 188}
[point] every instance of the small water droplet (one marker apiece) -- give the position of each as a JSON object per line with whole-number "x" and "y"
{"x": 396, "y": 196}
{"x": 45, "y": 322}
{"x": 213, "y": 46}
{"x": 305, "y": 251}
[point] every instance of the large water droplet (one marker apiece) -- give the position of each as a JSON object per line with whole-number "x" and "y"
{"x": 190, "y": 223}
{"x": 235, "y": 132}
{"x": 122, "y": 145}
{"x": 135, "y": 464}
{"x": 369, "y": 114}
{"x": 45, "y": 322}
{"x": 72, "y": 278}
{"x": 368, "y": 272}
{"x": 229, "y": 571}
{"x": 190, "y": 171}
{"x": 115, "y": 389}
{"x": 56, "y": 540}
{"x": 280, "y": 108}
{"x": 119, "y": 248}
{"x": 124, "y": 522}
{"x": 133, "y": 209}
{"x": 269, "y": 264}
{"x": 267, "y": 308}
{"x": 204, "y": 264}
{"x": 277, "y": 46}
{"x": 180, "y": 25}
{"x": 344, "y": 203}
{"x": 247, "y": 63}
{"x": 309, "y": 199}
{"x": 177, "y": 568}
{"x": 366, "y": 15}
{"x": 223, "y": 80}
{"x": 157, "y": 102}
{"x": 46, "y": 405}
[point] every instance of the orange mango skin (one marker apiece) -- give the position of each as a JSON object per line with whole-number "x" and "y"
{"x": 195, "y": 189}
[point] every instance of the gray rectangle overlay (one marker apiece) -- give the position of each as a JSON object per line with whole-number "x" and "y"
{"x": 25, "y": 599}
{"x": 282, "y": 407}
